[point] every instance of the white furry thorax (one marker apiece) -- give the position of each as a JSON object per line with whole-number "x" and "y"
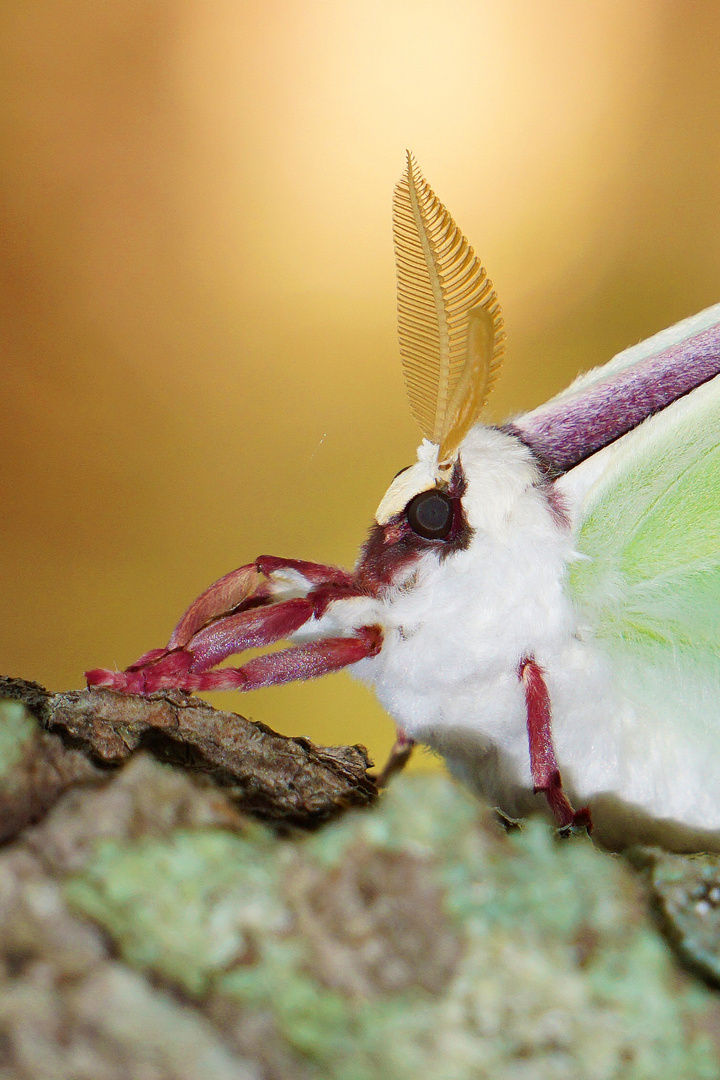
{"x": 454, "y": 637}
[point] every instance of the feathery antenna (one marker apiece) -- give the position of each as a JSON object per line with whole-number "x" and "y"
{"x": 449, "y": 320}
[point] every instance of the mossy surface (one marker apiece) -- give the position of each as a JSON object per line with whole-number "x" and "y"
{"x": 413, "y": 939}
{"x": 17, "y": 727}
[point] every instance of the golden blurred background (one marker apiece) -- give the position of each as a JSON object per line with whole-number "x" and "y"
{"x": 197, "y": 295}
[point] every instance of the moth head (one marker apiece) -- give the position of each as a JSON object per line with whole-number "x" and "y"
{"x": 450, "y": 328}
{"x": 421, "y": 514}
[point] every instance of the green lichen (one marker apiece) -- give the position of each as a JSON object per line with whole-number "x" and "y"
{"x": 17, "y": 726}
{"x": 686, "y": 891}
{"x": 550, "y": 970}
{"x": 182, "y": 906}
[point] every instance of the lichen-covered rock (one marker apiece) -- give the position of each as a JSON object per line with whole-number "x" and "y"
{"x": 410, "y": 940}
{"x": 69, "y": 1011}
{"x": 151, "y": 930}
{"x": 686, "y": 894}
{"x": 35, "y": 768}
{"x": 17, "y": 728}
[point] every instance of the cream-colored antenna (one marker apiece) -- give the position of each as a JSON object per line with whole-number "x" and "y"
{"x": 449, "y": 320}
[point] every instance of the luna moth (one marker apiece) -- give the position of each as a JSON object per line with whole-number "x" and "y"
{"x": 540, "y": 601}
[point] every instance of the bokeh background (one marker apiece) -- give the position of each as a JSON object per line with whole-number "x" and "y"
{"x": 197, "y": 334}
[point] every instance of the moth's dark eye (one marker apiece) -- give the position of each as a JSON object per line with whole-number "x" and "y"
{"x": 430, "y": 514}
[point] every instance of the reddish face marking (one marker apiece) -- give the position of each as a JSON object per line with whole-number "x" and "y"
{"x": 393, "y": 548}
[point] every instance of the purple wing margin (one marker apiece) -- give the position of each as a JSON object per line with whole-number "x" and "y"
{"x": 601, "y": 408}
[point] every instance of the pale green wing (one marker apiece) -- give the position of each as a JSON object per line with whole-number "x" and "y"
{"x": 646, "y": 511}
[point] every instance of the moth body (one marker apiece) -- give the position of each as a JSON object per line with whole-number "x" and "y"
{"x": 455, "y": 633}
{"x": 539, "y": 603}
{"x": 456, "y": 630}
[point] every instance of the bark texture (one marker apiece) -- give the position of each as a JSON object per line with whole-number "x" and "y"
{"x": 289, "y": 781}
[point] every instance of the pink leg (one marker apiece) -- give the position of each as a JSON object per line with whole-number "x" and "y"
{"x": 315, "y": 573}
{"x": 397, "y": 760}
{"x": 161, "y": 668}
{"x": 236, "y": 613}
{"x": 247, "y": 630}
{"x": 224, "y": 595}
{"x": 245, "y": 586}
{"x": 300, "y": 662}
{"x": 543, "y": 765}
